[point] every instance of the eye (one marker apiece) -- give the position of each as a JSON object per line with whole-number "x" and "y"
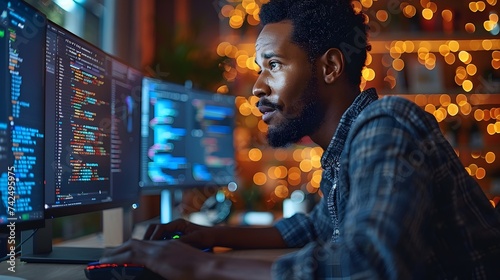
{"x": 274, "y": 65}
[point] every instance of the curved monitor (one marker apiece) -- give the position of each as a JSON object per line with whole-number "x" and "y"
{"x": 22, "y": 42}
{"x": 92, "y": 127}
{"x": 187, "y": 137}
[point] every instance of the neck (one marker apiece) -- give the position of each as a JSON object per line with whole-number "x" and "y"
{"x": 341, "y": 99}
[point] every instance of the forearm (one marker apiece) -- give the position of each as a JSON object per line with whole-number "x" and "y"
{"x": 248, "y": 237}
{"x": 222, "y": 267}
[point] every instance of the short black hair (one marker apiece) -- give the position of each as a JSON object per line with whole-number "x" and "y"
{"x": 319, "y": 25}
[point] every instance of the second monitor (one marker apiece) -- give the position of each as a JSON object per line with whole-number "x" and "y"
{"x": 187, "y": 137}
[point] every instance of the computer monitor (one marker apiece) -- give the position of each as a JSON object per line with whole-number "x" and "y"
{"x": 92, "y": 136}
{"x": 22, "y": 41}
{"x": 187, "y": 140}
{"x": 210, "y": 148}
{"x": 187, "y": 137}
{"x": 92, "y": 127}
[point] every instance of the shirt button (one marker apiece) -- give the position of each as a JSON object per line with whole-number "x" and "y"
{"x": 337, "y": 231}
{"x": 335, "y": 186}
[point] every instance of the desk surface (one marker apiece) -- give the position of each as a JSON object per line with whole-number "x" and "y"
{"x": 39, "y": 271}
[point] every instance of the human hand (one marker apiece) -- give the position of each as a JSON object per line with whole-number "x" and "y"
{"x": 170, "y": 259}
{"x": 193, "y": 234}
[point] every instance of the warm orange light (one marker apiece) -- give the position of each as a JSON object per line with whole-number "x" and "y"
{"x": 470, "y": 27}
{"x": 259, "y": 178}
{"x": 447, "y": 15}
{"x": 490, "y": 157}
{"x": 281, "y": 191}
{"x": 368, "y": 59}
{"x": 489, "y": 25}
{"x": 398, "y": 64}
{"x": 409, "y": 11}
{"x": 368, "y": 74}
{"x": 262, "y": 126}
{"x": 444, "y": 50}
{"x": 430, "y": 108}
{"x": 382, "y": 15}
{"x": 473, "y": 168}
{"x": 294, "y": 173}
{"x": 478, "y": 115}
{"x": 471, "y": 69}
{"x": 480, "y": 6}
{"x": 367, "y": 3}
{"x": 491, "y": 129}
{"x": 450, "y": 58}
{"x": 454, "y": 46}
{"x": 305, "y": 165}
{"x": 255, "y": 154}
{"x": 473, "y": 6}
{"x": 444, "y": 100}
{"x": 452, "y": 109}
{"x": 493, "y": 17}
{"x": 480, "y": 173}
{"x": 357, "y": 7}
{"x": 487, "y": 45}
{"x": 297, "y": 155}
{"x": 464, "y": 56}
{"x": 466, "y": 109}
{"x": 461, "y": 99}
{"x": 467, "y": 85}
{"x": 421, "y": 100}
{"x": 427, "y": 14}
{"x": 495, "y": 55}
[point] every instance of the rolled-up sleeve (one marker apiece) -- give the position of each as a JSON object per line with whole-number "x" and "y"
{"x": 301, "y": 228}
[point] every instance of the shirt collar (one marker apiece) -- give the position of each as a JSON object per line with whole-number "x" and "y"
{"x": 334, "y": 150}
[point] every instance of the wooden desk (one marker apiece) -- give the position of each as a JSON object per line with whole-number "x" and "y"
{"x": 39, "y": 271}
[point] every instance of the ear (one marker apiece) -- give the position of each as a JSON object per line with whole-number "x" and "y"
{"x": 332, "y": 65}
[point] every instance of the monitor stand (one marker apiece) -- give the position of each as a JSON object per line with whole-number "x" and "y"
{"x": 39, "y": 248}
{"x": 166, "y": 206}
{"x": 169, "y": 198}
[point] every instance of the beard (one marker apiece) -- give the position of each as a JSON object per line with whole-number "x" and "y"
{"x": 293, "y": 129}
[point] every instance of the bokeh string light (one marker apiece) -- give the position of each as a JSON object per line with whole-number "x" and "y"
{"x": 462, "y": 50}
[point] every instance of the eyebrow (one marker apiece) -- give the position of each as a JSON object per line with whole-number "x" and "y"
{"x": 268, "y": 55}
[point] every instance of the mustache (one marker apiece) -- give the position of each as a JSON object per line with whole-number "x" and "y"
{"x": 267, "y": 103}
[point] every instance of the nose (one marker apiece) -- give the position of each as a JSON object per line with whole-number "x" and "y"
{"x": 260, "y": 88}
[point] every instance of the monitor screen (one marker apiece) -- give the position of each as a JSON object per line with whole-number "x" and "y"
{"x": 92, "y": 133}
{"x": 92, "y": 127}
{"x": 22, "y": 41}
{"x": 187, "y": 137}
{"x": 210, "y": 146}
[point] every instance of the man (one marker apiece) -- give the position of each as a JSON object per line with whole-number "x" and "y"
{"x": 397, "y": 202}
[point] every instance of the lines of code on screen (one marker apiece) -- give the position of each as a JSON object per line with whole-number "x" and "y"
{"x": 22, "y": 35}
{"x": 79, "y": 118}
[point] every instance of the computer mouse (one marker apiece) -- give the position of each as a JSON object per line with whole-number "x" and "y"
{"x": 171, "y": 235}
{"x": 177, "y": 235}
{"x": 108, "y": 271}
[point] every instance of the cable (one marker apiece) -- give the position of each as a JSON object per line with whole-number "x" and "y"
{"x": 18, "y": 247}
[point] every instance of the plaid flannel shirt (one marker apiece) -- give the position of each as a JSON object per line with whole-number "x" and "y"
{"x": 397, "y": 204}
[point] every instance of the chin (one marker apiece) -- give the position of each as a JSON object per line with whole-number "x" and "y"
{"x": 278, "y": 138}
